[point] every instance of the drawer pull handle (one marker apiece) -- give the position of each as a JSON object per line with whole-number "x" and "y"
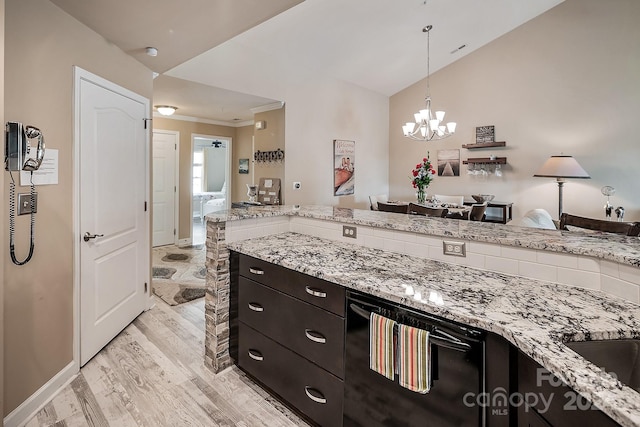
{"x": 315, "y": 336}
{"x": 255, "y": 307}
{"x": 315, "y": 292}
{"x": 257, "y": 271}
{"x": 255, "y": 355}
{"x": 314, "y": 395}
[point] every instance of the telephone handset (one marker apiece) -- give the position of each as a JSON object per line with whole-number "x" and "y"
{"x": 16, "y": 158}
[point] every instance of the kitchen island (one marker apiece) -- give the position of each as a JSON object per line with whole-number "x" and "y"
{"x": 535, "y": 316}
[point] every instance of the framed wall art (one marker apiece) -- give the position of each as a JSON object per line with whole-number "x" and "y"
{"x": 344, "y": 161}
{"x": 243, "y": 166}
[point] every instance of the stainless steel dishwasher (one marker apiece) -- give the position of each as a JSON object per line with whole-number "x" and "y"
{"x": 457, "y": 372}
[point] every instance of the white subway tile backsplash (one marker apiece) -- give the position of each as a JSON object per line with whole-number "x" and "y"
{"x": 533, "y": 270}
{"x": 475, "y": 260}
{"x": 373, "y": 242}
{"x": 580, "y": 279}
{"x": 403, "y": 236}
{"x": 629, "y": 273}
{"x": 502, "y": 265}
{"x": 588, "y": 264}
{"x": 429, "y": 241}
{"x": 417, "y": 250}
{"x": 559, "y": 260}
{"x": 585, "y": 272}
{"x": 484, "y": 248}
{"x": 520, "y": 254}
{"x": 385, "y": 234}
{"x": 609, "y": 268}
{"x": 394, "y": 246}
{"x": 621, "y": 288}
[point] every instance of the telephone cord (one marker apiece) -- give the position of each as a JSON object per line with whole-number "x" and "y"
{"x": 12, "y": 220}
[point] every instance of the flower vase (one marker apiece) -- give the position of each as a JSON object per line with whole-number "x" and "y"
{"x": 422, "y": 195}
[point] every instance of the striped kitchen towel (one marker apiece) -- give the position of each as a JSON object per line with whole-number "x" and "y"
{"x": 414, "y": 359}
{"x": 381, "y": 348}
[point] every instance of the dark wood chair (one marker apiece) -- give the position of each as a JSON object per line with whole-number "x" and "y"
{"x": 626, "y": 228}
{"x": 427, "y": 211}
{"x": 393, "y": 207}
{"x": 477, "y": 212}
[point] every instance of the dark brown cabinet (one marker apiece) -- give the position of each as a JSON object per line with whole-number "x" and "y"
{"x": 291, "y": 335}
{"x": 549, "y": 402}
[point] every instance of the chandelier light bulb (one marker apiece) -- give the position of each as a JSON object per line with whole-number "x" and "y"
{"x": 426, "y": 127}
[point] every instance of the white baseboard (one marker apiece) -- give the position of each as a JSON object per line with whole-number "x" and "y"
{"x": 185, "y": 242}
{"x": 23, "y": 413}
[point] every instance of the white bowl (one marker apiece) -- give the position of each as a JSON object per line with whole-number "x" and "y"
{"x": 481, "y": 198}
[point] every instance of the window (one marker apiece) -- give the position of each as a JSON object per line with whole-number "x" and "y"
{"x": 198, "y": 163}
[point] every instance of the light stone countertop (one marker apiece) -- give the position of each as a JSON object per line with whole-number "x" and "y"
{"x": 622, "y": 249}
{"x": 537, "y": 317}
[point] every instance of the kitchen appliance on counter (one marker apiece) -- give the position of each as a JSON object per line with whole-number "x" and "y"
{"x": 457, "y": 372}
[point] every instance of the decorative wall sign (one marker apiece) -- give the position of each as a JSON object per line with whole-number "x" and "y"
{"x": 243, "y": 166}
{"x": 269, "y": 156}
{"x": 344, "y": 161}
{"x": 449, "y": 162}
{"x": 485, "y": 134}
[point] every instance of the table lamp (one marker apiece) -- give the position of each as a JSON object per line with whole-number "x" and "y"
{"x": 561, "y": 167}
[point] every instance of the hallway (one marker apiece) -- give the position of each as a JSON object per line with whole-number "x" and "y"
{"x": 153, "y": 374}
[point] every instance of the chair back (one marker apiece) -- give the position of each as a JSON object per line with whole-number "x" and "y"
{"x": 626, "y": 228}
{"x": 393, "y": 207}
{"x": 477, "y": 212}
{"x": 425, "y": 210}
{"x": 455, "y": 200}
{"x": 374, "y": 199}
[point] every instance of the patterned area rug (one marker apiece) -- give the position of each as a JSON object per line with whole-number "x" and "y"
{"x": 179, "y": 273}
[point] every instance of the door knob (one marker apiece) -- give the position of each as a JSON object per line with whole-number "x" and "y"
{"x": 88, "y": 236}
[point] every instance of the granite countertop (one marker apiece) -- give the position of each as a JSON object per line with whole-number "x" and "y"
{"x": 537, "y": 317}
{"x": 622, "y": 249}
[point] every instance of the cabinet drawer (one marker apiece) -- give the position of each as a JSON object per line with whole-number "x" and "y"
{"x": 310, "y": 389}
{"x": 316, "y": 291}
{"x": 308, "y": 330}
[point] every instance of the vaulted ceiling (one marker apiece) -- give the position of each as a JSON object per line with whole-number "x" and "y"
{"x": 377, "y": 44}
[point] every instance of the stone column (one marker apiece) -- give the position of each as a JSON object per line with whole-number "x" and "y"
{"x": 216, "y": 306}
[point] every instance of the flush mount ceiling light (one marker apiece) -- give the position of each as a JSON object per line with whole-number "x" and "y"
{"x": 166, "y": 110}
{"x": 426, "y": 127}
{"x": 151, "y": 51}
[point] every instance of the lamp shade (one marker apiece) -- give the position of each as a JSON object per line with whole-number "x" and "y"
{"x": 562, "y": 167}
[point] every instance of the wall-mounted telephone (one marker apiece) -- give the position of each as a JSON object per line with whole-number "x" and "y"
{"x": 18, "y": 156}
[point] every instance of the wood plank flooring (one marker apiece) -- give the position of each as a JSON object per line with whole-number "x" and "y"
{"x": 153, "y": 374}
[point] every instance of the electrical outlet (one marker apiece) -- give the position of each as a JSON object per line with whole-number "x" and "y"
{"x": 454, "y": 248}
{"x": 297, "y": 185}
{"x": 349, "y": 231}
{"x": 24, "y": 203}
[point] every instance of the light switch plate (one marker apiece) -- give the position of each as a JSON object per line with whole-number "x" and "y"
{"x": 454, "y": 248}
{"x": 24, "y": 203}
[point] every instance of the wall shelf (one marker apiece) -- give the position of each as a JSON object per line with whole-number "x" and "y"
{"x": 484, "y": 145}
{"x": 486, "y": 160}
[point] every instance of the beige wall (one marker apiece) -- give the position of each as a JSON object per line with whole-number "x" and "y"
{"x": 565, "y": 82}
{"x": 242, "y": 149}
{"x": 42, "y": 44}
{"x": 186, "y": 129}
{"x": 270, "y": 139}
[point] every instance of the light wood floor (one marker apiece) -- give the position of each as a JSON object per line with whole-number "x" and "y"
{"x": 153, "y": 374}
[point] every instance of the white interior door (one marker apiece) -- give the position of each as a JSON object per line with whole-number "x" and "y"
{"x": 165, "y": 146}
{"x": 114, "y": 266}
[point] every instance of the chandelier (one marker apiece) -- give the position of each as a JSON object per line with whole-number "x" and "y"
{"x": 427, "y": 127}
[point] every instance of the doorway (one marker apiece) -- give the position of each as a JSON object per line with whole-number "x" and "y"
{"x": 165, "y": 187}
{"x": 211, "y": 180}
{"x": 111, "y": 186}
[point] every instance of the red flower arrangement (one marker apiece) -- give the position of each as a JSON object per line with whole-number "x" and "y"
{"x": 422, "y": 176}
